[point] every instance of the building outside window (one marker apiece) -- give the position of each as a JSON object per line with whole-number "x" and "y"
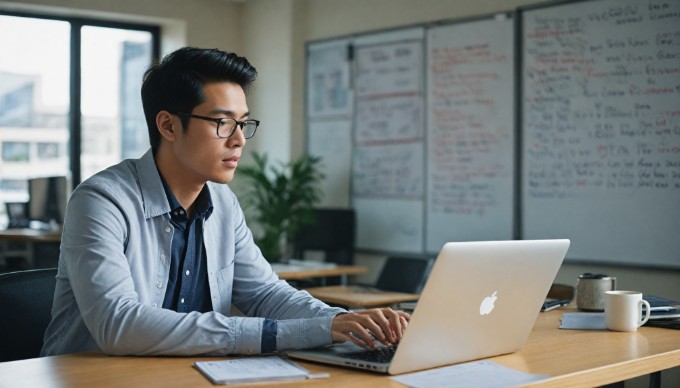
{"x": 37, "y": 120}
{"x": 15, "y": 151}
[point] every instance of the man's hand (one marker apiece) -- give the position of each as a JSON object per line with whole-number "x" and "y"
{"x": 365, "y": 326}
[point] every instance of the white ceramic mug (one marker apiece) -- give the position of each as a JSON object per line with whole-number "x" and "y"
{"x": 623, "y": 310}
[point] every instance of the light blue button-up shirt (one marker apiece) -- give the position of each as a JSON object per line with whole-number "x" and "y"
{"x": 113, "y": 271}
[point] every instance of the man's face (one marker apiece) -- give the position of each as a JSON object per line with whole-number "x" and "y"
{"x": 202, "y": 155}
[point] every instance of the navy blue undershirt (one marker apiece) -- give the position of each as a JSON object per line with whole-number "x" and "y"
{"x": 188, "y": 288}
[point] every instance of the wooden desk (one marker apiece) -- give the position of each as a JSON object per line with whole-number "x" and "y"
{"x": 358, "y": 296}
{"x": 27, "y": 237}
{"x": 31, "y": 235}
{"x": 297, "y": 272}
{"x": 287, "y": 272}
{"x": 573, "y": 358}
{"x": 578, "y": 358}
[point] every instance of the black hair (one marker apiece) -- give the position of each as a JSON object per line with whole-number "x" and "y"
{"x": 176, "y": 83}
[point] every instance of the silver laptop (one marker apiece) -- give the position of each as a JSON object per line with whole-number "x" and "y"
{"x": 480, "y": 300}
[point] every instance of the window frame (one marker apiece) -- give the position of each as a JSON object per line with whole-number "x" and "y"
{"x": 74, "y": 117}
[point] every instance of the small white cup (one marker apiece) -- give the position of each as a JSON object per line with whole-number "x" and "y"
{"x": 623, "y": 310}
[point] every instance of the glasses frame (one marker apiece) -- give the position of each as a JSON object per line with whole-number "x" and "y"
{"x": 220, "y": 121}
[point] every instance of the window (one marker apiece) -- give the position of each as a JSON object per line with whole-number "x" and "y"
{"x": 15, "y": 190}
{"x": 14, "y": 151}
{"x": 69, "y": 105}
{"x": 49, "y": 151}
{"x": 113, "y": 127}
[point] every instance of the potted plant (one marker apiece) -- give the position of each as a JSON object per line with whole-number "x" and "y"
{"x": 281, "y": 198}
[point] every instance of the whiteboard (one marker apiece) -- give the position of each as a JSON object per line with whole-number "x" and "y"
{"x": 389, "y": 69}
{"x": 395, "y": 119}
{"x": 329, "y": 117}
{"x": 470, "y": 131}
{"x": 328, "y": 79}
{"x": 389, "y": 225}
{"x": 392, "y": 170}
{"x": 601, "y": 125}
{"x": 388, "y": 169}
{"x": 332, "y": 141}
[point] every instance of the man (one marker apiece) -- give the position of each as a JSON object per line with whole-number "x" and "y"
{"x": 156, "y": 250}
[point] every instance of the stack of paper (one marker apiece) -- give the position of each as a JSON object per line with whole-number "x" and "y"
{"x": 484, "y": 373}
{"x": 311, "y": 264}
{"x": 587, "y": 321}
{"x": 664, "y": 312}
{"x": 253, "y": 369}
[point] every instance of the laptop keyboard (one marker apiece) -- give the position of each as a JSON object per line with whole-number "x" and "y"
{"x": 381, "y": 355}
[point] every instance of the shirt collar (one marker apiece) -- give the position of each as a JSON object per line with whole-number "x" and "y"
{"x": 149, "y": 180}
{"x": 203, "y": 205}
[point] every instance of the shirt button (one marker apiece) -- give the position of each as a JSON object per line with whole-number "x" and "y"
{"x": 162, "y": 255}
{"x": 168, "y": 229}
{"x": 181, "y": 300}
{"x": 154, "y": 305}
{"x": 159, "y": 284}
{"x": 181, "y": 212}
{"x": 187, "y": 272}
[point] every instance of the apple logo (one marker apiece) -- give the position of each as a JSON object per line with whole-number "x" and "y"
{"x": 488, "y": 304}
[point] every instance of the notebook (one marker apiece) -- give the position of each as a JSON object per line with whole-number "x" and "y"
{"x": 480, "y": 300}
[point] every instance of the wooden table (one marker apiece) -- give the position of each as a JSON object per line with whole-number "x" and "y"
{"x": 32, "y": 235}
{"x": 578, "y": 358}
{"x": 287, "y": 272}
{"x": 27, "y": 237}
{"x": 573, "y": 359}
{"x": 292, "y": 272}
{"x": 359, "y": 296}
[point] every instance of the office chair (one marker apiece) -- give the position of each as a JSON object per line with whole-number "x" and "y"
{"x": 404, "y": 274}
{"x": 25, "y": 311}
{"x": 332, "y": 233}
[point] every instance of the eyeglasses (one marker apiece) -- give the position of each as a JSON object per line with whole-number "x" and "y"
{"x": 226, "y": 126}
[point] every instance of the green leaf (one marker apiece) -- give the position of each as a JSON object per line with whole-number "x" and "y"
{"x": 281, "y": 198}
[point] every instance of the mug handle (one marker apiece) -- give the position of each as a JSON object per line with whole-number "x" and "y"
{"x": 613, "y": 283}
{"x": 648, "y": 312}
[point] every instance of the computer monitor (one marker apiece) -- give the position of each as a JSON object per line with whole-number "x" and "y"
{"x": 332, "y": 233}
{"x": 17, "y": 214}
{"x": 47, "y": 198}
